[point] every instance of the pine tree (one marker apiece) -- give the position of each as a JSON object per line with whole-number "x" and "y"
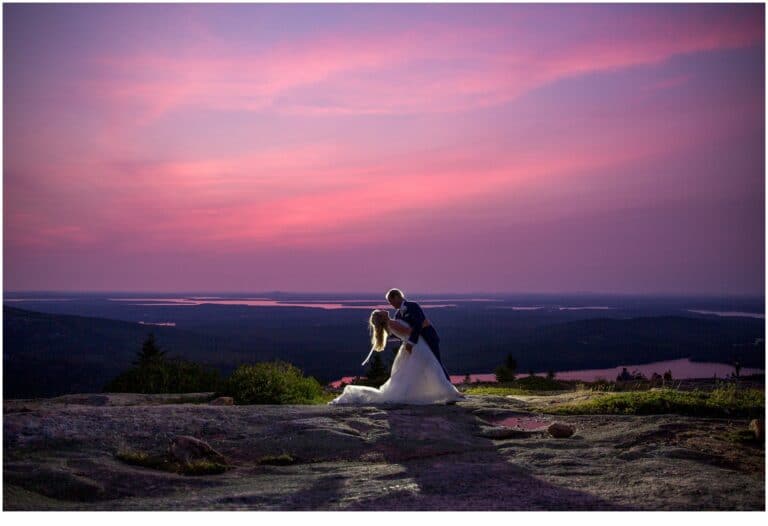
{"x": 506, "y": 372}
{"x": 377, "y": 372}
{"x": 150, "y": 352}
{"x": 510, "y": 363}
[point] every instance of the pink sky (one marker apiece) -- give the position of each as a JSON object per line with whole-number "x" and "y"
{"x": 494, "y": 148}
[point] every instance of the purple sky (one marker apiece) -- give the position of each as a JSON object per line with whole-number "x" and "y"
{"x": 463, "y": 148}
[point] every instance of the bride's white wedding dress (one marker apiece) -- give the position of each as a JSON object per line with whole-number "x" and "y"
{"x": 416, "y": 378}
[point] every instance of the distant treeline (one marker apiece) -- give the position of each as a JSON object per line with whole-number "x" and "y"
{"x": 50, "y": 354}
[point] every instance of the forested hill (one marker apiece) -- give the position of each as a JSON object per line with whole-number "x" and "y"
{"x": 47, "y": 354}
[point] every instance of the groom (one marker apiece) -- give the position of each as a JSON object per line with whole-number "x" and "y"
{"x": 411, "y": 313}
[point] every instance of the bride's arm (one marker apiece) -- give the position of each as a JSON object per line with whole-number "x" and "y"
{"x": 399, "y": 329}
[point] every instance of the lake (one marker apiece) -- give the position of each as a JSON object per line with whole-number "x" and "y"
{"x": 267, "y": 302}
{"x": 681, "y": 369}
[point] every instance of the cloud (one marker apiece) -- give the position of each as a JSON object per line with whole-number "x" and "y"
{"x": 339, "y": 141}
{"x": 420, "y": 69}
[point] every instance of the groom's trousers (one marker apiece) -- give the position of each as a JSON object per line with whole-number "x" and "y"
{"x": 429, "y": 334}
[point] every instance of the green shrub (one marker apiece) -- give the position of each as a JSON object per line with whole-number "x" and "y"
{"x": 166, "y": 376}
{"x": 153, "y": 372}
{"x": 539, "y": 383}
{"x": 528, "y": 385}
{"x": 272, "y": 383}
{"x": 506, "y": 371}
{"x": 738, "y": 399}
{"x": 504, "y": 374}
{"x": 728, "y": 401}
{"x": 150, "y": 351}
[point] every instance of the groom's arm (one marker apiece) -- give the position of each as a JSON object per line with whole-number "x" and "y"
{"x": 415, "y": 320}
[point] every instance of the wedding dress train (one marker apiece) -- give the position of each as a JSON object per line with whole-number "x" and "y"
{"x": 416, "y": 378}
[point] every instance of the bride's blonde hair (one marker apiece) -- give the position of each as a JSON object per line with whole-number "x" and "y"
{"x": 377, "y": 324}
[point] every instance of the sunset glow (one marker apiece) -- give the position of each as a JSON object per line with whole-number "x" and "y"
{"x": 437, "y": 148}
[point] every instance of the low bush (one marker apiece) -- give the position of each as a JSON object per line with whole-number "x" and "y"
{"x": 527, "y": 385}
{"x": 272, "y": 383}
{"x": 166, "y": 376}
{"x": 506, "y": 371}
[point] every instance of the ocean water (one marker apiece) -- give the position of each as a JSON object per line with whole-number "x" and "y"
{"x": 681, "y": 370}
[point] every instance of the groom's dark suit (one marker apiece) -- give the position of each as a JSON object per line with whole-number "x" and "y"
{"x": 410, "y": 312}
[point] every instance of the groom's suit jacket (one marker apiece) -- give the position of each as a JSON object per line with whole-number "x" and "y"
{"x": 410, "y": 312}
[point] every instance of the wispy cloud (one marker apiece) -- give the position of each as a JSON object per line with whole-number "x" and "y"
{"x": 429, "y": 68}
{"x": 222, "y": 136}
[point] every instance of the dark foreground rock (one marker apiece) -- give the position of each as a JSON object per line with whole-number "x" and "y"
{"x": 186, "y": 449}
{"x": 560, "y": 430}
{"x": 757, "y": 426}
{"x": 62, "y": 455}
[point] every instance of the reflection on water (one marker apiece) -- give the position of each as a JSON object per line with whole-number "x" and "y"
{"x": 480, "y": 377}
{"x": 159, "y": 323}
{"x": 163, "y": 304}
{"x": 586, "y": 308}
{"x": 207, "y": 298}
{"x": 263, "y": 302}
{"x": 681, "y": 369}
{"x": 344, "y": 380}
{"x": 420, "y": 301}
{"x": 37, "y": 299}
{"x": 730, "y": 313}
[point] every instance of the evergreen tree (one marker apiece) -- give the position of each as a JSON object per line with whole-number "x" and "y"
{"x": 506, "y": 372}
{"x": 510, "y": 363}
{"x": 503, "y": 374}
{"x": 150, "y": 352}
{"x": 377, "y": 372}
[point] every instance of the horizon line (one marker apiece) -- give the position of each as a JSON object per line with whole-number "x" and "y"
{"x": 417, "y": 293}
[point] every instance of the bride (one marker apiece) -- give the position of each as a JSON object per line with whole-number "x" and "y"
{"x": 416, "y": 378}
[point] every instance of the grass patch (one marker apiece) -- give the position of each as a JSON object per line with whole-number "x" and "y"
{"x": 163, "y": 463}
{"x": 203, "y": 467}
{"x": 496, "y": 390}
{"x": 323, "y": 398}
{"x": 721, "y": 402}
{"x": 742, "y": 436}
{"x": 539, "y": 383}
{"x": 527, "y": 385}
{"x": 277, "y": 460}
